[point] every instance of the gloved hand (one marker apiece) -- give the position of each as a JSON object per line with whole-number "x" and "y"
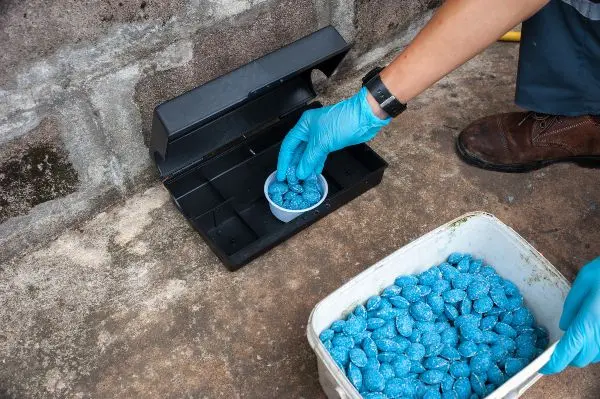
{"x": 325, "y": 130}
{"x": 580, "y": 345}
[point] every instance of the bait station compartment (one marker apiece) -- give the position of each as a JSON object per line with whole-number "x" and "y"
{"x": 215, "y": 145}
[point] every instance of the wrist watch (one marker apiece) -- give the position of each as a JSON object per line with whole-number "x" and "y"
{"x": 382, "y": 95}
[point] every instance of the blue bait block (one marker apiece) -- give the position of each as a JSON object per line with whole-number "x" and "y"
{"x": 374, "y": 323}
{"x": 461, "y": 281}
{"x": 426, "y": 326}
{"x": 450, "y": 353}
{"x": 460, "y": 369}
{"x": 478, "y": 384}
{"x": 513, "y": 365}
{"x": 483, "y": 305}
{"x": 448, "y": 271}
{"x": 416, "y": 351}
{"x": 399, "y": 302}
{"x": 311, "y": 197}
{"x": 436, "y": 363}
{"x": 451, "y": 312}
{"x": 369, "y": 347}
{"x": 373, "y": 380}
{"x": 406, "y": 281}
{"x": 355, "y": 326}
{"x": 392, "y": 290}
{"x": 387, "y": 331}
{"x": 430, "y": 338}
{"x": 402, "y": 366}
{"x": 389, "y": 345}
{"x": 432, "y": 377}
{"x": 355, "y": 376}
{"x": 510, "y": 288}
{"x": 462, "y": 387}
{"x": 472, "y": 333}
{"x": 387, "y": 313}
{"x": 434, "y": 349}
{"x": 447, "y": 383}
{"x": 412, "y": 293}
{"x": 488, "y": 322}
{"x": 522, "y": 317}
{"x": 421, "y": 312}
{"x": 386, "y": 371}
{"x": 432, "y": 393}
{"x": 403, "y": 342}
{"x": 277, "y": 199}
{"x": 480, "y": 363}
{"x": 360, "y": 311}
{"x": 449, "y": 395}
{"x": 440, "y": 286}
{"x": 277, "y": 187}
{"x": 415, "y": 336}
{"x": 466, "y": 306}
{"x": 505, "y": 329}
{"x": 441, "y": 326}
{"x": 454, "y": 295}
{"x": 399, "y": 388}
{"x": 475, "y": 266}
{"x": 416, "y": 367}
{"x": 386, "y": 357}
{"x": 471, "y": 320}
{"x": 455, "y": 257}
{"x": 404, "y": 325}
{"x": 467, "y": 349}
{"x": 495, "y": 375}
{"x": 338, "y": 325}
{"x": 464, "y": 265}
{"x": 498, "y": 296}
{"x": 358, "y": 357}
{"x": 374, "y": 303}
{"x": 478, "y": 288}
{"x": 297, "y": 188}
{"x": 340, "y": 355}
{"x": 342, "y": 341}
{"x": 436, "y": 303}
{"x": 326, "y": 335}
{"x": 450, "y": 336}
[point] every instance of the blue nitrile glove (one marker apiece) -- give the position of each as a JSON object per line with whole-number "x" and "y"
{"x": 580, "y": 345}
{"x": 328, "y": 129}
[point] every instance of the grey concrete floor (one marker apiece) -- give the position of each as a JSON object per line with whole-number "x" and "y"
{"x": 132, "y": 303}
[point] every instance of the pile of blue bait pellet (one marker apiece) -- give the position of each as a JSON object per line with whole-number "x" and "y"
{"x": 456, "y": 331}
{"x": 295, "y": 194}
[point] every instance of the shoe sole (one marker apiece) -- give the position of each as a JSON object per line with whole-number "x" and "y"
{"x": 584, "y": 161}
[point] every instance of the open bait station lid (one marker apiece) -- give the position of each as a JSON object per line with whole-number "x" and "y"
{"x": 215, "y": 145}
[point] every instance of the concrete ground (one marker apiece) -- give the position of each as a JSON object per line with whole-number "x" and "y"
{"x": 132, "y": 303}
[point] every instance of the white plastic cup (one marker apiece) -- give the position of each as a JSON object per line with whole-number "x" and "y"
{"x": 286, "y": 215}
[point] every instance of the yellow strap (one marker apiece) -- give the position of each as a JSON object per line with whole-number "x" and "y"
{"x": 511, "y": 36}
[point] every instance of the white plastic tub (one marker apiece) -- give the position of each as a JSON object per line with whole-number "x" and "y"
{"x": 287, "y": 215}
{"x": 544, "y": 289}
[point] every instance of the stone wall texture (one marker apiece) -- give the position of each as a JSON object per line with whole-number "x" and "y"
{"x": 80, "y": 79}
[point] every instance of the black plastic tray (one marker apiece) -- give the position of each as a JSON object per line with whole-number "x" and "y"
{"x": 215, "y": 145}
{"x": 225, "y": 202}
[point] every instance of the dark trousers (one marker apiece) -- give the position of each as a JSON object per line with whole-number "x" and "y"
{"x": 559, "y": 59}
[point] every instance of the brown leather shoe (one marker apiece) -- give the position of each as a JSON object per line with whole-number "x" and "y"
{"x": 523, "y": 141}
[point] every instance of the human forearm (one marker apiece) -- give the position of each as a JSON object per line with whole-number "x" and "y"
{"x": 459, "y": 30}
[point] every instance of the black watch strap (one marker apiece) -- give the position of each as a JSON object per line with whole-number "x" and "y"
{"x": 382, "y": 95}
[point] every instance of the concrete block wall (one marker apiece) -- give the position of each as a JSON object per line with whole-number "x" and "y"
{"x": 80, "y": 79}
